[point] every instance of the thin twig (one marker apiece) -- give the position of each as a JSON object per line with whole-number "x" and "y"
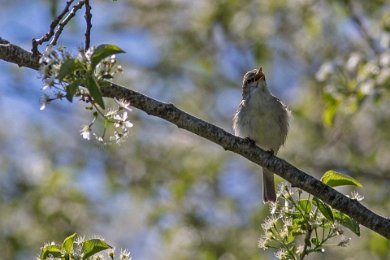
{"x": 65, "y": 21}
{"x": 50, "y": 33}
{"x": 88, "y": 19}
{"x": 307, "y": 243}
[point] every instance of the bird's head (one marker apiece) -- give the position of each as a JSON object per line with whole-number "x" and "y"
{"x": 253, "y": 79}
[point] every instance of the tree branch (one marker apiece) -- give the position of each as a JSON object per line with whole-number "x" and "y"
{"x": 229, "y": 142}
{"x": 14, "y": 54}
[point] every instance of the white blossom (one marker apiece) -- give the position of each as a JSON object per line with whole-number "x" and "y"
{"x": 89, "y": 53}
{"x": 367, "y": 87}
{"x": 269, "y": 223}
{"x": 356, "y": 196}
{"x": 86, "y": 132}
{"x": 384, "y": 59}
{"x": 325, "y": 70}
{"x": 353, "y": 61}
{"x": 125, "y": 255}
{"x": 44, "y": 101}
{"x": 123, "y": 103}
{"x": 263, "y": 243}
{"x": 281, "y": 254}
{"x": 122, "y": 120}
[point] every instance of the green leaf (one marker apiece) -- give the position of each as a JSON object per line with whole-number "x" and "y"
{"x": 331, "y": 108}
{"x": 71, "y": 90}
{"x": 291, "y": 236}
{"x": 305, "y": 205}
{"x": 93, "y": 246}
{"x": 103, "y": 51}
{"x": 50, "y": 250}
{"x": 347, "y": 222}
{"x": 94, "y": 90}
{"x": 324, "y": 209}
{"x": 68, "y": 243}
{"x": 316, "y": 241}
{"x": 68, "y": 67}
{"x": 299, "y": 224}
{"x": 333, "y": 179}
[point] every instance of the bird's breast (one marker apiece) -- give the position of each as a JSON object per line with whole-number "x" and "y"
{"x": 262, "y": 121}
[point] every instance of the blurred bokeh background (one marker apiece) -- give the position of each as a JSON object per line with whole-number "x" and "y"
{"x": 169, "y": 194}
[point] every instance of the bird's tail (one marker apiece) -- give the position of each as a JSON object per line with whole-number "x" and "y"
{"x": 269, "y": 193}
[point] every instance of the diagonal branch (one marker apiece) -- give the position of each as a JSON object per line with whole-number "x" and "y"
{"x": 50, "y": 33}
{"x": 229, "y": 142}
{"x": 65, "y": 21}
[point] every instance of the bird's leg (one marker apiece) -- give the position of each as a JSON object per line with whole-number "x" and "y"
{"x": 250, "y": 141}
{"x": 270, "y": 153}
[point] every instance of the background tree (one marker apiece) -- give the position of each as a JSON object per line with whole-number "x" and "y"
{"x": 178, "y": 195}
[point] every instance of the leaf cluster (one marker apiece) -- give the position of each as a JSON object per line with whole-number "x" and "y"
{"x": 300, "y": 226}
{"x": 78, "y": 72}
{"x": 77, "y": 248}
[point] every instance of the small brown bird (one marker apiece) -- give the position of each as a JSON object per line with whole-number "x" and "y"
{"x": 264, "y": 119}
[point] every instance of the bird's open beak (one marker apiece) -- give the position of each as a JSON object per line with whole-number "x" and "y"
{"x": 260, "y": 74}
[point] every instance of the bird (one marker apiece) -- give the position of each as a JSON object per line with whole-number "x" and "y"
{"x": 262, "y": 118}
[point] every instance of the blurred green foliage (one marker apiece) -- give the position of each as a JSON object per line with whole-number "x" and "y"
{"x": 169, "y": 194}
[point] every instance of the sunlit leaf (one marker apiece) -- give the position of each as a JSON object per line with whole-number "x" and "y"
{"x": 333, "y": 179}
{"x": 331, "y": 108}
{"x": 50, "y": 251}
{"x": 68, "y": 243}
{"x": 103, "y": 51}
{"x": 93, "y": 246}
